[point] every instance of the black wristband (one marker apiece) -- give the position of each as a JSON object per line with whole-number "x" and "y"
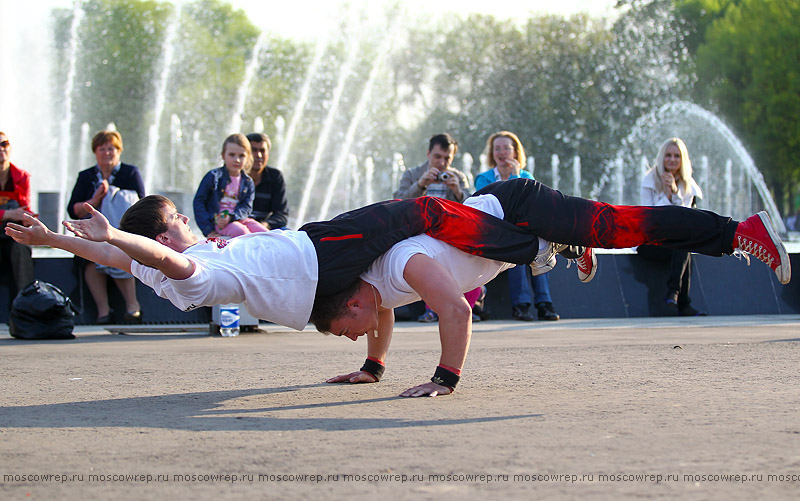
{"x": 445, "y": 377}
{"x": 374, "y": 368}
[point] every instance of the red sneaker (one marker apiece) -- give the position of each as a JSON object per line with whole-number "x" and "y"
{"x": 587, "y": 265}
{"x": 755, "y": 236}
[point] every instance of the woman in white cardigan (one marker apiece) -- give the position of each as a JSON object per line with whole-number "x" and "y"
{"x": 670, "y": 182}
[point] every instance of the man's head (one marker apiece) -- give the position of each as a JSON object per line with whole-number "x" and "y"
{"x": 351, "y": 313}
{"x": 156, "y": 217}
{"x": 260, "y": 144}
{"x": 442, "y": 149}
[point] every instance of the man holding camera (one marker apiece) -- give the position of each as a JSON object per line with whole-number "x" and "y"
{"x": 435, "y": 177}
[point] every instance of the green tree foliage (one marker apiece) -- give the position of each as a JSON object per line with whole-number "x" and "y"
{"x": 747, "y": 63}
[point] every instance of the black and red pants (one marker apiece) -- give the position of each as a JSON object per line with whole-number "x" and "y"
{"x": 349, "y": 243}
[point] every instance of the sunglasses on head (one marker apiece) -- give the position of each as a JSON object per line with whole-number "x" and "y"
{"x": 5, "y": 144}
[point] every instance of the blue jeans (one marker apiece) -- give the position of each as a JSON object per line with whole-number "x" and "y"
{"x": 522, "y": 289}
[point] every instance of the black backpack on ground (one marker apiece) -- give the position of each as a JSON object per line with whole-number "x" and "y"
{"x": 42, "y": 311}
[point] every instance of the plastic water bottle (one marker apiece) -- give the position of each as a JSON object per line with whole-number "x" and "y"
{"x": 229, "y": 320}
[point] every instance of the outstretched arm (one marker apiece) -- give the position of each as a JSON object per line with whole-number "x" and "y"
{"x": 38, "y": 234}
{"x": 150, "y": 253}
{"x": 441, "y": 292}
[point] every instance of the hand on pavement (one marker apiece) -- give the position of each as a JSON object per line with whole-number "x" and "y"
{"x": 430, "y": 389}
{"x": 354, "y": 377}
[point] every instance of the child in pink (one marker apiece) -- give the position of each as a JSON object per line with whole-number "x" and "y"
{"x": 224, "y": 200}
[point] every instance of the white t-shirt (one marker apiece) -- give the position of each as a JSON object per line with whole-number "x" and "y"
{"x": 469, "y": 271}
{"x": 273, "y": 273}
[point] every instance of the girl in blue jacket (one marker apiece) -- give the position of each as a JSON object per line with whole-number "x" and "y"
{"x": 224, "y": 200}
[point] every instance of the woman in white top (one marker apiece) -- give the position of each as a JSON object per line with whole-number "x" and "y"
{"x": 670, "y": 182}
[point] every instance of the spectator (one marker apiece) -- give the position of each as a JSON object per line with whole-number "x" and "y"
{"x": 92, "y": 186}
{"x": 670, "y": 182}
{"x": 437, "y": 178}
{"x": 15, "y": 199}
{"x": 224, "y": 200}
{"x": 270, "y": 206}
{"x": 506, "y": 156}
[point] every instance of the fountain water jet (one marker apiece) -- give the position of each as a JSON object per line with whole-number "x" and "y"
{"x": 554, "y": 162}
{"x": 354, "y": 185}
{"x": 66, "y": 122}
{"x": 83, "y": 157}
{"x": 619, "y": 175}
{"x": 576, "y": 176}
{"x": 242, "y": 92}
{"x": 322, "y": 141}
{"x": 466, "y": 168}
{"x": 175, "y": 137}
{"x": 258, "y": 124}
{"x": 369, "y": 174}
{"x": 161, "y": 97}
{"x": 358, "y": 114}
{"x": 286, "y": 145}
{"x": 197, "y": 156}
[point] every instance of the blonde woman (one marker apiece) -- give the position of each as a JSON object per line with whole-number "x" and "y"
{"x": 670, "y": 182}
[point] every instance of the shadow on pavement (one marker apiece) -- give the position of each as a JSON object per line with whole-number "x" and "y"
{"x": 202, "y": 411}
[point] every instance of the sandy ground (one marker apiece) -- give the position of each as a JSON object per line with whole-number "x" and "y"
{"x": 597, "y": 409}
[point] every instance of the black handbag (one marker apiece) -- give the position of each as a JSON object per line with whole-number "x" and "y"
{"x": 42, "y": 311}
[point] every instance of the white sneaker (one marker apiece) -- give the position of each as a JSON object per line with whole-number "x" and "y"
{"x": 546, "y": 258}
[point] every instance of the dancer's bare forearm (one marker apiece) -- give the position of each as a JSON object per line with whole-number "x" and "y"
{"x": 98, "y": 252}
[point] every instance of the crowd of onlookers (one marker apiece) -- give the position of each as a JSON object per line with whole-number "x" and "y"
{"x": 243, "y": 195}
{"x": 246, "y": 195}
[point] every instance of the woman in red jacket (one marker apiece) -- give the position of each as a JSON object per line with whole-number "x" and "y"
{"x": 15, "y": 198}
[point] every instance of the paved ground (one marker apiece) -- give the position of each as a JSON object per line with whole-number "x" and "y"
{"x": 598, "y": 409}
